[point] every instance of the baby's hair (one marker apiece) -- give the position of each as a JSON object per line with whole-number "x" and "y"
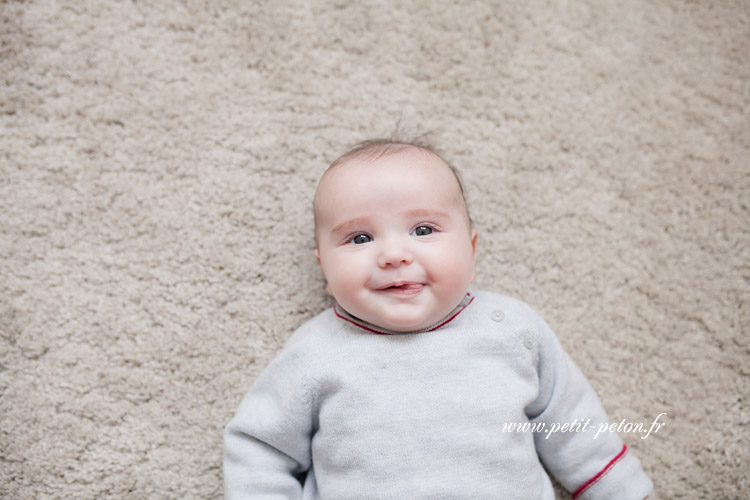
{"x": 374, "y": 149}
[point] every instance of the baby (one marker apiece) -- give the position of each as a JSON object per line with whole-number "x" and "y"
{"x": 402, "y": 388}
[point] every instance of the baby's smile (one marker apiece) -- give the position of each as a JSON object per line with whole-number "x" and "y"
{"x": 403, "y": 288}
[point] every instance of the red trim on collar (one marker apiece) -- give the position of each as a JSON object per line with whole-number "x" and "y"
{"x": 601, "y": 474}
{"x": 372, "y": 330}
{"x": 336, "y": 312}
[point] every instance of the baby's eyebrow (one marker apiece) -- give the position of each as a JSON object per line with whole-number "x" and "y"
{"x": 422, "y": 212}
{"x": 349, "y": 225}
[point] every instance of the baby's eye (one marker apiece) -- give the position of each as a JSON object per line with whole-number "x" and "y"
{"x": 361, "y": 238}
{"x": 422, "y": 231}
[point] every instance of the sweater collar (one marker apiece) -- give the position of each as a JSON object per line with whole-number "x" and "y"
{"x": 342, "y": 314}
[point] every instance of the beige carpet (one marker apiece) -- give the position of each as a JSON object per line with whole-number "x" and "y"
{"x": 157, "y": 166}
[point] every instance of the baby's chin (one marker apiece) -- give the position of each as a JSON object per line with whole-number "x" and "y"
{"x": 399, "y": 328}
{"x": 405, "y": 325}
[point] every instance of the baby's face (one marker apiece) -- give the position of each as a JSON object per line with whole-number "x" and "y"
{"x": 394, "y": 239}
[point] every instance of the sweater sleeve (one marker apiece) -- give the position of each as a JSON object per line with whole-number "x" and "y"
{"x": 267, "y": 443}
{"x": 589, "y": 462}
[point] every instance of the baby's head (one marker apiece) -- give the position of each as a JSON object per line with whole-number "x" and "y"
{"x": 394, "y": 237}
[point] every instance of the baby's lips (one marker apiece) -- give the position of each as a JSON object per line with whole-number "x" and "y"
{"x": 411, "y": 286}
{"x": 403, "y": 287}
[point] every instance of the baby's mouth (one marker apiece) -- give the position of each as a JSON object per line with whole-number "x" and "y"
{"x": 402, "y": 288}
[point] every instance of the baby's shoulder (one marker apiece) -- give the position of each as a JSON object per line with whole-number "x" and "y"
{"x": 500, "y": 304}
{"x": 510, "y": 312}
{"x": 305, "y": 348}
{"x": 315, "y": 333}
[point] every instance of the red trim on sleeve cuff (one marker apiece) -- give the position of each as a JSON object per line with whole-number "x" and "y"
{"x": 601, "y": 473}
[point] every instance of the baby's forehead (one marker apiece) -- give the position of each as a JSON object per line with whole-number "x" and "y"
{"x": 409, "y": 158}
{"x": 421, "y": 166}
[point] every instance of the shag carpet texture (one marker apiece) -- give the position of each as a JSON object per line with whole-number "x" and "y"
{"x": 158, "y": 161}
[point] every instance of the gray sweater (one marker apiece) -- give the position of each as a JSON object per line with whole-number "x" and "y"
{"x": 348, "y": 411}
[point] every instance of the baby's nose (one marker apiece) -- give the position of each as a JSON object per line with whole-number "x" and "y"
{"x": 394, "y": 255}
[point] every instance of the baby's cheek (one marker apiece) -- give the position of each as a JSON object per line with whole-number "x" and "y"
{"x": 459, "y": 274}
{"x": 345, "y": 282}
